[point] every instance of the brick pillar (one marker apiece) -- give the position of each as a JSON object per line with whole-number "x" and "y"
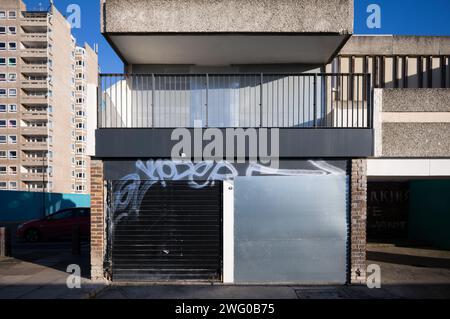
{"x": 358, "y": 221}
{"x": 97, "y": 220}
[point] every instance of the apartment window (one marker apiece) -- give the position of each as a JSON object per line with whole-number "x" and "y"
{"x": 2, "y": 77}
{"x": 3, "y": 170}
{"x": 12, "y": 108}
{"x": 13, "y": 170}
{"x": 12, "y": 30}
{"x": 12, "y": 46}
{"x": 2, "y": 92}
{"x": 2, "y": 30}
{"x": 2, "y": 123}
{"x": 12, "y": 139}
{"x": 12, "y": 15}
{"x": 12, "y": 123}
{"x": 12, "y": 154}
{"x": 2, "y": 108}
{"x": 2, "y": 139}
{"x": 13, "y": 185}
{"x": 2, "y": 46}
{"x": 12, "y": 61}
{"x": 2, "y": 61}
{"x": 2, "y": 15}
{"x": 80, "y": 163}
{"x": 3, "y": 185}
{"x": 12, "y": 92}
{"x": 2, "y": 154}
{"x": 12, "y": 77}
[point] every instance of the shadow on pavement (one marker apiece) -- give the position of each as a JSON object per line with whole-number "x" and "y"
{"x": 402, "y": 259}
{"x": 55, "y": 254}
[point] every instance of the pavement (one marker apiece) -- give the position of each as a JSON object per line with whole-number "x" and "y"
{"x": 38, "y": 271}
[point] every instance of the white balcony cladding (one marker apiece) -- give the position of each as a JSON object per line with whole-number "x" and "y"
{"x": 235, "y": 100}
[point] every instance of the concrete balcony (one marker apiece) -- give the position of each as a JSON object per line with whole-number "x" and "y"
{"x": 34, "y": 22}
{"x": 34, "y": 68}
{"x": 34, "y": 100}
{"x": 34, "y": 146}
{"x": 34, "y": 53}
{"x": 35, "y": 84}
{"x": 33, "y": 162}
{"x": 40, "y": 131}
{"x": 34, "y": 177}
{"x": 227, "y": 32}
{"x": 35, "y": 115}
{"x": 34, "y": 38}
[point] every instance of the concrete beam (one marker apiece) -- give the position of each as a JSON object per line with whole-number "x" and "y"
{"x": 396, "y": 45}
{"x": 156, "y": 16}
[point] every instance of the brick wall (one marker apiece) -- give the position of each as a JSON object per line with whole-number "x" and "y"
{"x": 358, "y": 221}
{"x": 97, "y": 220}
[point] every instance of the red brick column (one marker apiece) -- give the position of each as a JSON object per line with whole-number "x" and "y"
{"x": 97, "y": 220}
{"x": 358, "y": 221}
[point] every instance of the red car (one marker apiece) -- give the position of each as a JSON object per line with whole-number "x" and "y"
{"x": 57, "y": 225}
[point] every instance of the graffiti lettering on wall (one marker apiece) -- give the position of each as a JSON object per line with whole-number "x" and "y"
{"x": 131, "y": 189}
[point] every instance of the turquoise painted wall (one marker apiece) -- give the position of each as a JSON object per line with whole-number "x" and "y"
{"x": 429, "y": 217}
{"x": 22, "y": 206}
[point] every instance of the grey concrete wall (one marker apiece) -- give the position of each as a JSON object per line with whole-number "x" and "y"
{"x": 416, "y": 100}
{"x": 412, "y": 123}
{"x": 119, "y": 16}
{"x": 397, "y": 45}
{"x": 416, "y": 140}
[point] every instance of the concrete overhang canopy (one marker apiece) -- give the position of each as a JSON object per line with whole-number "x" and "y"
{"x": 224, "y": 32}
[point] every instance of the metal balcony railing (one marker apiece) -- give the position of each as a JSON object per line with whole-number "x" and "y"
{"x": 235, "y": 100}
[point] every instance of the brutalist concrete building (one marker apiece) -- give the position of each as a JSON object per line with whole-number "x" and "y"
{"x": 205, "y": 70}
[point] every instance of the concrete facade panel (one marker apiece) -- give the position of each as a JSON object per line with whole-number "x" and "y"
{"x": 227, "y": 16}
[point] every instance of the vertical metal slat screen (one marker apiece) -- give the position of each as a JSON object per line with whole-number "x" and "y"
{"x": 304, "y": 100}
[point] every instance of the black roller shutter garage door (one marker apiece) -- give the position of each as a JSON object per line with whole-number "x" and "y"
{"x": 177, "y": 235}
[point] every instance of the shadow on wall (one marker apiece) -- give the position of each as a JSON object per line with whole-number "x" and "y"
{"x": 22, "y": 206}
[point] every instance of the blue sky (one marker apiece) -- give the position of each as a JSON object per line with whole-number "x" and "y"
{"x": 400, "y": 17}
